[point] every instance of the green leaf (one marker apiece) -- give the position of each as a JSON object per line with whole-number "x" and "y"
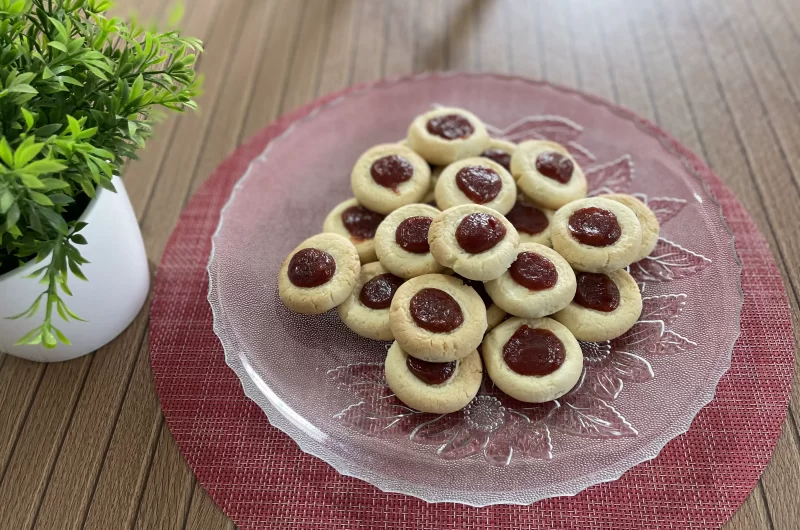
{"x": 32, "y": 309}
{"x": 137, "y": 87}
{"x": 31, "y": 181}
{"x": 76, "y": 271}
{"x": 48, "y": 339}
{"x": 28, "y": 118}
{"x": 71, "y": 314}
{"x": 61, "y": 199}
{"x": 16, "y": 7}
{"x": 12, "y": 216}
{"x": 48, "y": 130}
{"x": 5, "y": 152}
{"x": 69, "y": 80}
{"x": 26, "y": 152}
{"x": 62, "y": 31}
{"x": 6, "y": 200}
{"x": 23, "y": 89}
{"x": 55, "y": 220}
{"x": 58, "y": 46}
{"x": 78, "y": 239}
{"x": 40, "y": 198}
{"x": 44, "y": 166}
{"x": 34, "y": 336}
{"x": 74, "y": 126}
{"x": 80, "y": 225}
{"x": 61, "y": 336}
{"x": 53, "y": 184}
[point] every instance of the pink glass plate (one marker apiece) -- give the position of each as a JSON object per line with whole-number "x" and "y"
{"x": 324, "y": 386}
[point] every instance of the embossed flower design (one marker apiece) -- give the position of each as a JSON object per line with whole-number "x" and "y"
{"x": 501, "y": 429}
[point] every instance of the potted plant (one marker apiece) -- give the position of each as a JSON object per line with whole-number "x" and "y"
{"x": 79, "y": 92}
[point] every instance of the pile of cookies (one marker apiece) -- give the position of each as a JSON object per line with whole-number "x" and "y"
{"x": 469, "y": 251}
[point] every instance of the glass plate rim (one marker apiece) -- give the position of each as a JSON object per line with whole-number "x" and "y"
{"x": 300, "y": 433}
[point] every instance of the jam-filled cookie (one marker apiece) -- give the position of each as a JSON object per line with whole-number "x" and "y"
{"x": 476, "y": 181}
{"x": 605, "y": 306}
{"x": 597, "y": 235}
{"x": 447, "y": 134}
{"x": 533, "y": 360}
{"x": 389, "y": 176}
{"x": 538, "y": 283}
{"x": 531, "y": 221}
{"x": 547, "y": 173}
{"x": 500, "y": 151}
{"x": 494, "y": 314}
{"x": 647, "y": 220}
{"x": 437, "y": 318}
{"x": 366, "y": 310}
{"x": 357, "y": 223}
{"x": 475, "y": 241}
{"x": 401, "y": 241}
{"x": 319, "y": 274}
{"x": 433, "y": 387}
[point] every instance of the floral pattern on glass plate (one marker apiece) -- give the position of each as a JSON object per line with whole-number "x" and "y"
{"x": 498, "y": 428}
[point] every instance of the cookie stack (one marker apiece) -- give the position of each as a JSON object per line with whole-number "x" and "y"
{"x": 469, "y": 251}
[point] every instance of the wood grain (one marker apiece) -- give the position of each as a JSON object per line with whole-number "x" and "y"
{"x": 83, "y": 444}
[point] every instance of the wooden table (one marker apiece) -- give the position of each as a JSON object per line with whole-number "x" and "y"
{"x": 84, "y": 444}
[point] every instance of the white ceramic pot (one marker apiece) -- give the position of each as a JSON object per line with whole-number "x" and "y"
{"x": 119, "y": 280}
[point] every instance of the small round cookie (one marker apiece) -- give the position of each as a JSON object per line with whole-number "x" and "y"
{"x": 538, "y": 283}
{"x": 475, "y": 241}
{"x": 430, "y": 198}
{"x": 500, "y": 151}
{"x": 647, "y": 219}
{"x": 433, "y": 387}
{"x": 605, "y": 306}
{"x": 351, "y": 220}
{"x": 597, "y": 235}
{"x": 401, "y": 241}
{"x": 447, "y": 134}
{"x": 547, "y": 173}
{"x": 476, "y": 180}
{"x": 494, "y": 314}
{"x": 389, "y": 176}
{"x": 319, "y": 274}
{"x": 437, "y": 318}
{"x": 366, "y": 310}
{"x": 531, "y": 221}
{"x": 533, "y": 360}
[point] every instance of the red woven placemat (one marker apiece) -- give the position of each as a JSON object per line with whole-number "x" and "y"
{"x": 261, "y": 479}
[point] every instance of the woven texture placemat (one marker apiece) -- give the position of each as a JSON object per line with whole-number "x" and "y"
{"x": 261, "y": 479}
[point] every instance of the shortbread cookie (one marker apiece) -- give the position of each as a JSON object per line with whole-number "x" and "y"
{"x": 430, "y": 198}
{"x": 366, "y": 310}
{"x": 533, "y": 360}
{"x": 647, "y": 220}
{"x": 538, "y": 283}
{"x": 494, "y": 314}
{"x": 433, "y": 387}
{"x": 605, "y": 306}
{"x": 353, "y": 221}
{"x": 447, "y": 134}
{"x": 500, "y": 151}
{"x": 389, "y": 176}
{"x": 319, "y": 274}
{"x": 401, "y": 241}
{"x": 597, "y": 235}
{"x": 547, "y": 173}
{"x": 437, "y": 318}
{"x": 475, "y": 241}
{"x": 476, "y": 180}
{"x": 531, "y": 221}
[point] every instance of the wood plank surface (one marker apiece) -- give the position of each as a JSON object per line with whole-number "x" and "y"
{"x": 83, "y": 444}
